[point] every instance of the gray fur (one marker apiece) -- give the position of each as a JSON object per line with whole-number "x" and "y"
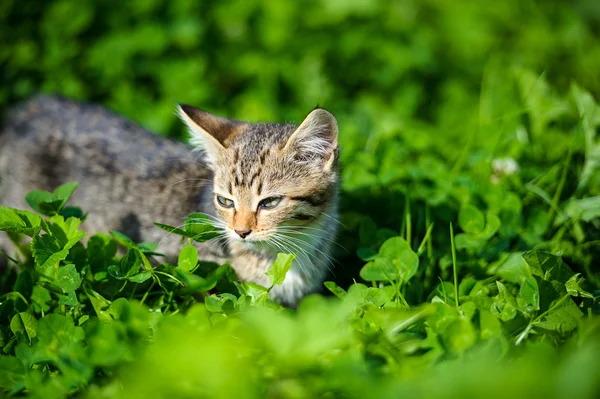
{"x": 129, "y": 178}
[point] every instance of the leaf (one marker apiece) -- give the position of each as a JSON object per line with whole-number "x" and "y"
{"x": 375, "y": 296}
{"x": 73, "y": 211}
{"x": 201, "y": 227}
{"x": 213, "y": 304}
{"x": 512, "y": 268}
{"x": 50, "y": 203}
{"x": 123, "y": 239}
{"x": 489, "y": 325}
{"x": 25, "y": 324}
{"x": 366, "y": 254}
{"x": 548, "y": 266}
{"x": 58, "y": 331}
{"x": 174, "y": 230}
{"x": 188, "y": 258}
{"x": 131, "y": 262}
{"x": 562, "y": 317}
{"x": 115, "y": 272}
{"x": 257, "y": 293}
{"x": 101, "y": 306}
{"x": 492, "y": 224}
{"x": 505, "y": 305}
{"x": 280, "y": 267}
{"x": 70, "y": 299}
{"x": 22, "y": 222}
{"x": 573, "y": 286}
{"x": 47, "y": 251}
{"x": 140, "y": 277}
{"x": 100, "y": 252}
{"x": 588, "y": 113}
{"x": 459, "y": 335}
{"x": 68, "y": 278}
{"x": 404, "y": 259}
{"x": 470, "y": 219}
{"x": 12, "y": 372}
{"x": 64, "y": 192}
{"x": 148, "y": 248}
{"x": 42, "y": 202}
{"x": 585, "y": 209}
{"x": 469, "y": 241}
{"x": 380, "y": 269}
{"x": 195, "y": 283}
{"x": 530, "y": 293}
{"x": 41, "y": 296}
{"x": 129, "y": 267}
{"x": 335, "y": 289}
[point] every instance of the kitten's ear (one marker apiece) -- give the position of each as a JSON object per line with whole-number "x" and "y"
{"x": 208, "y": 132}
{"x": 317, "y": 136}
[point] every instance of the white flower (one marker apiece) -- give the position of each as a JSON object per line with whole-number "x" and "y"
{"x": 505, "y": 166}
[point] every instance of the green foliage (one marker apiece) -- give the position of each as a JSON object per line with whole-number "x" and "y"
{"x": 91, "y": 321}
{"x": 445, "y": 120}
{"x": 280, "y": 268}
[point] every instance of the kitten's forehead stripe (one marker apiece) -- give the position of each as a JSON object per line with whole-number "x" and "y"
{"x": 254, "y": 176}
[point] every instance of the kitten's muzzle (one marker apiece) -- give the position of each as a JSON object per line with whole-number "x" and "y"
{"x": 243, "y": 233}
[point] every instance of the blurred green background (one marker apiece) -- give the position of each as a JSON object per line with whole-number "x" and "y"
{"x": 480, "y": 114}
{"x": 427, "y": 93}
{"x": 375, "y": 63}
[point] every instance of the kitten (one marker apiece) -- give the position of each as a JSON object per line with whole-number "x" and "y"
{"x": 269, "y": 187}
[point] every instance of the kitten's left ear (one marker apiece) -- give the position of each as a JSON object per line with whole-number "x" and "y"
{"x": 317, "y": 136}
{"x": 209, "y": 132}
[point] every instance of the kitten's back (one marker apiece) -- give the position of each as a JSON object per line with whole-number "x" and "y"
{"x": 129, "y": 178}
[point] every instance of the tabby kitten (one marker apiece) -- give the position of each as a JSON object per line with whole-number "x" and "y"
{"x": 270, "y": 188}
{"x": 274, "y": 190}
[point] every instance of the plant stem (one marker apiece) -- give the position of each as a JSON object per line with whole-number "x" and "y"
{"x": 426, "y": 240}
{"x": 148, "y": 291}
{"x": 454, "y": 267}
{"x": 430, "y": 241}
{"x": 408, "y": 221}
{"x": 537, "y": 319}
{"x": 9, "y": 257}
{"x": 561, "y": 183}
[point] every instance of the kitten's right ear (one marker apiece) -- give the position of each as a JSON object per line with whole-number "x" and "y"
{"x": 209, "y": 132}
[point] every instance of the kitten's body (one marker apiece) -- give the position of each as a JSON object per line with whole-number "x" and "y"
{"x": 130, "y": 178}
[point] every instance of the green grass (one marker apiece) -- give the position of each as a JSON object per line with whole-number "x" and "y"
{"x": 470, "y": 203}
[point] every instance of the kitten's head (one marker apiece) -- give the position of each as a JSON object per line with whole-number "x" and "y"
{"x": 268, "y": 178}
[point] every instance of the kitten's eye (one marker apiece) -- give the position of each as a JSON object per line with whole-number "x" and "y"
{"x": 224, "y": 202}
{"x": 269, "y": 203}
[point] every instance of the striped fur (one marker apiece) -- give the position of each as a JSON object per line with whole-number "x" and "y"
{"x": 295, "y": 164}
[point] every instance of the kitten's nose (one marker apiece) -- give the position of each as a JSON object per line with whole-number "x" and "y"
{"x": 243, "y": 233}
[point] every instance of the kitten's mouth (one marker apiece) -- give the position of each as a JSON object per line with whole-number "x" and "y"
{"x": 254, "y": 243}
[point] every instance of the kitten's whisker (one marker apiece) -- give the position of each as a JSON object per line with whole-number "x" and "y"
{"x": 169, "y": 233}
{"x": 335, "y": 220}
{"x": 315, "y": 236}
{"x": 306, "y": 255}
{"x": 281, "y": 248}
{"x": 183, "y": 225}
{"x": 301, "y": 253}
{"x": 327, "y": 257}
{"x": 191, "y": 179}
